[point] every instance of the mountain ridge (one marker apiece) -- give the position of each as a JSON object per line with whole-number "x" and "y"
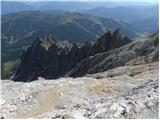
{"x": 58, "y": 59}
{"x": 137, "y": 52}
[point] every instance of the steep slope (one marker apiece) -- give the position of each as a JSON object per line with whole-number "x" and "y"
{"x": 50, "y": 58}
{"x": 21, "y": 29}
{"x": 137, "y": 52}
{"x": 131, "y": 93}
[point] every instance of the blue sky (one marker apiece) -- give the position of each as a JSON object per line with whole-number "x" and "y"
{"x": 152, "y": 1}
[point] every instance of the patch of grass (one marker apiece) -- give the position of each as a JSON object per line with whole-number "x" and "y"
{"x": 9, "y": 68}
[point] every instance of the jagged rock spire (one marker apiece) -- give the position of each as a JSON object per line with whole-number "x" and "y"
{"x": 50, "y": 58}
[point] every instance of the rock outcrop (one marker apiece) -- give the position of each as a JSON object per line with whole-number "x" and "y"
{"x": 110, "y": 41}
{"x": 138, "y": 52}
{"x": 51, "y": 59}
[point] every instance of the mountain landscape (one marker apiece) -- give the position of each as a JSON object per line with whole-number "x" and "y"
{"x": 76, "y": 59}
{"x": 144, "y": 19}
{"x": 23, "y": 22}
{"x": 19, "y": 30}
{"x": 124, "y": 88}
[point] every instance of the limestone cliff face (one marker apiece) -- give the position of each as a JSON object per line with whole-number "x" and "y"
{"x": 50, "y": 58}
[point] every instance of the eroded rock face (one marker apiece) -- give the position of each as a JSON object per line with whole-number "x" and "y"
{"x": 137, "y": 52}
{"x": 49, "y": 58}
{"x": 110, "y": 41}
{"x": 52, "y": 59}
{"x": 123, "y": 92}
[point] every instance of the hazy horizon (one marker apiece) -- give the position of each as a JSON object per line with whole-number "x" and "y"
{"x": 134, "y": 1}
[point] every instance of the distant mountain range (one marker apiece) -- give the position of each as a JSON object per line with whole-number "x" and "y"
{"x": 20, "y": 29}
{"x": 12, "y": 6}
{"x": 74, "y": 27}
{"x": 129, "y": 14}
{"x": 144, "y": 19}
{"x": 143, "y": 16}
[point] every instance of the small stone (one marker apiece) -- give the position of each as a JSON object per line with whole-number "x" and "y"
{"x": 149, "y": 95}
{"x": 77, "y": 106}
{"x": 67, "y": 116}
{"x": 3, "y": 117}
{"x": 87, "y": 114}
{"x": 56, "y": 116}
{"x": 123, "y": 112}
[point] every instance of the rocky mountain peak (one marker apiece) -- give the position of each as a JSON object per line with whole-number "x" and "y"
{"x": 135, "y": 53}
{"x": 47, "y": 41}
{"x": 117, "y": 34}
{"x": 51, "y": 58}
{"x": 110, "y": 41}
{"x": 118, "y": 31}
{"x": 108, "y": 34}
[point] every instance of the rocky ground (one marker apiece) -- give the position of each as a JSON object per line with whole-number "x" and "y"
{"x": 123, "y": 92}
